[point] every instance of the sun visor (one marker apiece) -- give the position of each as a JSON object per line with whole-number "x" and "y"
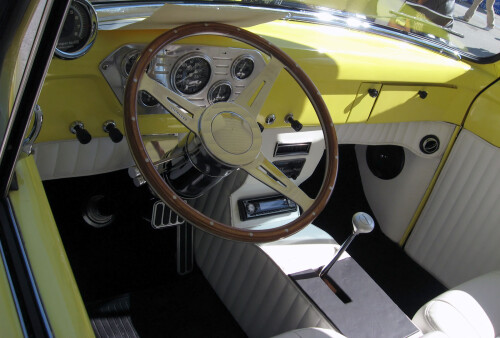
{"x": 173, "y": 15}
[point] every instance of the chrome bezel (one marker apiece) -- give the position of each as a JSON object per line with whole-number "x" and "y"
{"x": 180, "y": 62}
{"x": 214, "y": 86}
{"x": 126, "y": 58}
{"x": 90, "y": 39}
{"x": 236, "y": 61}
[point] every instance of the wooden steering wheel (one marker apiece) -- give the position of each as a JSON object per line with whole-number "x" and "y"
{"x": 239, "y": 144}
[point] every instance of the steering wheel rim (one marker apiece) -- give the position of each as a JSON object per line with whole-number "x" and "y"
{"x": 163, "y": 190}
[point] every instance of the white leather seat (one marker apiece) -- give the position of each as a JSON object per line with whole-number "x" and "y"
{"x": 311, "y": 332}
{"x": 472, "y": 309}
{"x": 250, "y": 279}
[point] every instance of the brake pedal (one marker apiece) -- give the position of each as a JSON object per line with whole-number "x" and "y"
{"x": 162, "y": 216}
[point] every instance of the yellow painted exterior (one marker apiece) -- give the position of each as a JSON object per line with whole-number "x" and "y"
{"x": 484, "y": 116}
{"x": 9, "y": 320}
{"x": 55, "y": 281}
{"x": 337, "y": 60}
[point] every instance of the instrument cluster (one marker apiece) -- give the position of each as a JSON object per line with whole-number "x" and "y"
{"x": 203, "y": 74}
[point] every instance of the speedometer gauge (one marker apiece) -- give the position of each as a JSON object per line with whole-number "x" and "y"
{"x": 191, "y": 74}
{"x": 79, "y": 30}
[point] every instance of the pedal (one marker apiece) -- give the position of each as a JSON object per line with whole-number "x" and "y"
{"x": 162, "y": 216}
{"x": 184, "y": 249}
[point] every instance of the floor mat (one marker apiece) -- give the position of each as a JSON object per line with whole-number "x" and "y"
{"x": 409, "y": 285}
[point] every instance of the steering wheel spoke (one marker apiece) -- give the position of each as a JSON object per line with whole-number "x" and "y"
{"x": 266, "y": 172}
{"x": 255, "y": 94}
{"x": 183, "y": 110}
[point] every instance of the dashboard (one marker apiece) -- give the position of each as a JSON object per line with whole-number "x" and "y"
{"x": 203, "y": 74}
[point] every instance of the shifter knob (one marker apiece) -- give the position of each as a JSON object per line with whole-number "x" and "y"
{"x": 362, "y": 223}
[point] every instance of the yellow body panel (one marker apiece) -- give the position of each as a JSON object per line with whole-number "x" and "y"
{"x": 55, "y": 281}
{"x": 363, "y": 104}
{"x": 484, "y": 116}
{"x": 403, "y": 104}
{"x": 9, "y": 320}
{"x": 336, "y": 59}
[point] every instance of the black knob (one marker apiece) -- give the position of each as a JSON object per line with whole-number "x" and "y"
{"x": 81, "y": 133}
{"x": 114, "y": 133}
{"x": 296, "y": 125}
{"x": 373, "y": 92}
{"x": 422, "y": 94}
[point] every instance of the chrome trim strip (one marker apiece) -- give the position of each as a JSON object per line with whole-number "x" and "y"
{"x": 13, "y": 292}
{"x": 32, "y": 281}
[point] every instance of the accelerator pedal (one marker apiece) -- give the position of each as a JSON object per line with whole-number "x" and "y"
{"x": 185, "y": 249}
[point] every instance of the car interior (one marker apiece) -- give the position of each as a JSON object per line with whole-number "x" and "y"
{"x": 263, "y": 168}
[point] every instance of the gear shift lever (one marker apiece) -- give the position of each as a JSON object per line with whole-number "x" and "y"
{"x": 362, "y": 224}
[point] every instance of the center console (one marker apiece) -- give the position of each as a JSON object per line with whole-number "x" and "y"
{"x": 354, "y": 303}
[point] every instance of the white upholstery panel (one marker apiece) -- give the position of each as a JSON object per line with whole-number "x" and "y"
{"x": 71, "y": 158}
{"x": 405, "y": 134}
{"x": 458, "y": 233}
{"x": 262, "y": 299}
{"x": 395, "y": 201}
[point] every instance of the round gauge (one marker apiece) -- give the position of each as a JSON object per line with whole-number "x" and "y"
{"x": 79, "y": 30}
{"x": 147, "y": 99}
{"x": 191, "y": 74}
{"x": 242, "y": 67}
{"x": 219, "y": 92}
{"x": 129, "y": 61}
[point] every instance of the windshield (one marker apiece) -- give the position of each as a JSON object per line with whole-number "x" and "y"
{"x": 466, "y": 27}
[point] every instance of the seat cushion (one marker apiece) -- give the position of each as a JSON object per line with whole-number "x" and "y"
{"x": 471, "y": 309}
{"x": 310, "y": 332}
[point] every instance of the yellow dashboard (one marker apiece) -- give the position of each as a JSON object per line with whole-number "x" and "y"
{"x": 362, "y": 77}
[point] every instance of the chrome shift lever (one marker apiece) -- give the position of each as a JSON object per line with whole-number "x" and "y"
{"x": 362, "y": 223}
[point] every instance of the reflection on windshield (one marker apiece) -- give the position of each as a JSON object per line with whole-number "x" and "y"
{"x": 467, "y": 25}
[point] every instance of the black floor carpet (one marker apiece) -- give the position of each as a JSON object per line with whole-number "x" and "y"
{"x": 408, "y": 285}
{"x": 131, "y": 258}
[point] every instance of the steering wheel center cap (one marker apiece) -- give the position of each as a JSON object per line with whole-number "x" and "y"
{"x": 232, "y": 133}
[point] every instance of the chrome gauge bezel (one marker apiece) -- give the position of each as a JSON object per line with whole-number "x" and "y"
{"x": 236, "y": 61}
{"x": 180, "y": 62}
{"x": 90, "y": 39}
{"x": 125, "y": 60}
{"x": 214, "y": 87}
